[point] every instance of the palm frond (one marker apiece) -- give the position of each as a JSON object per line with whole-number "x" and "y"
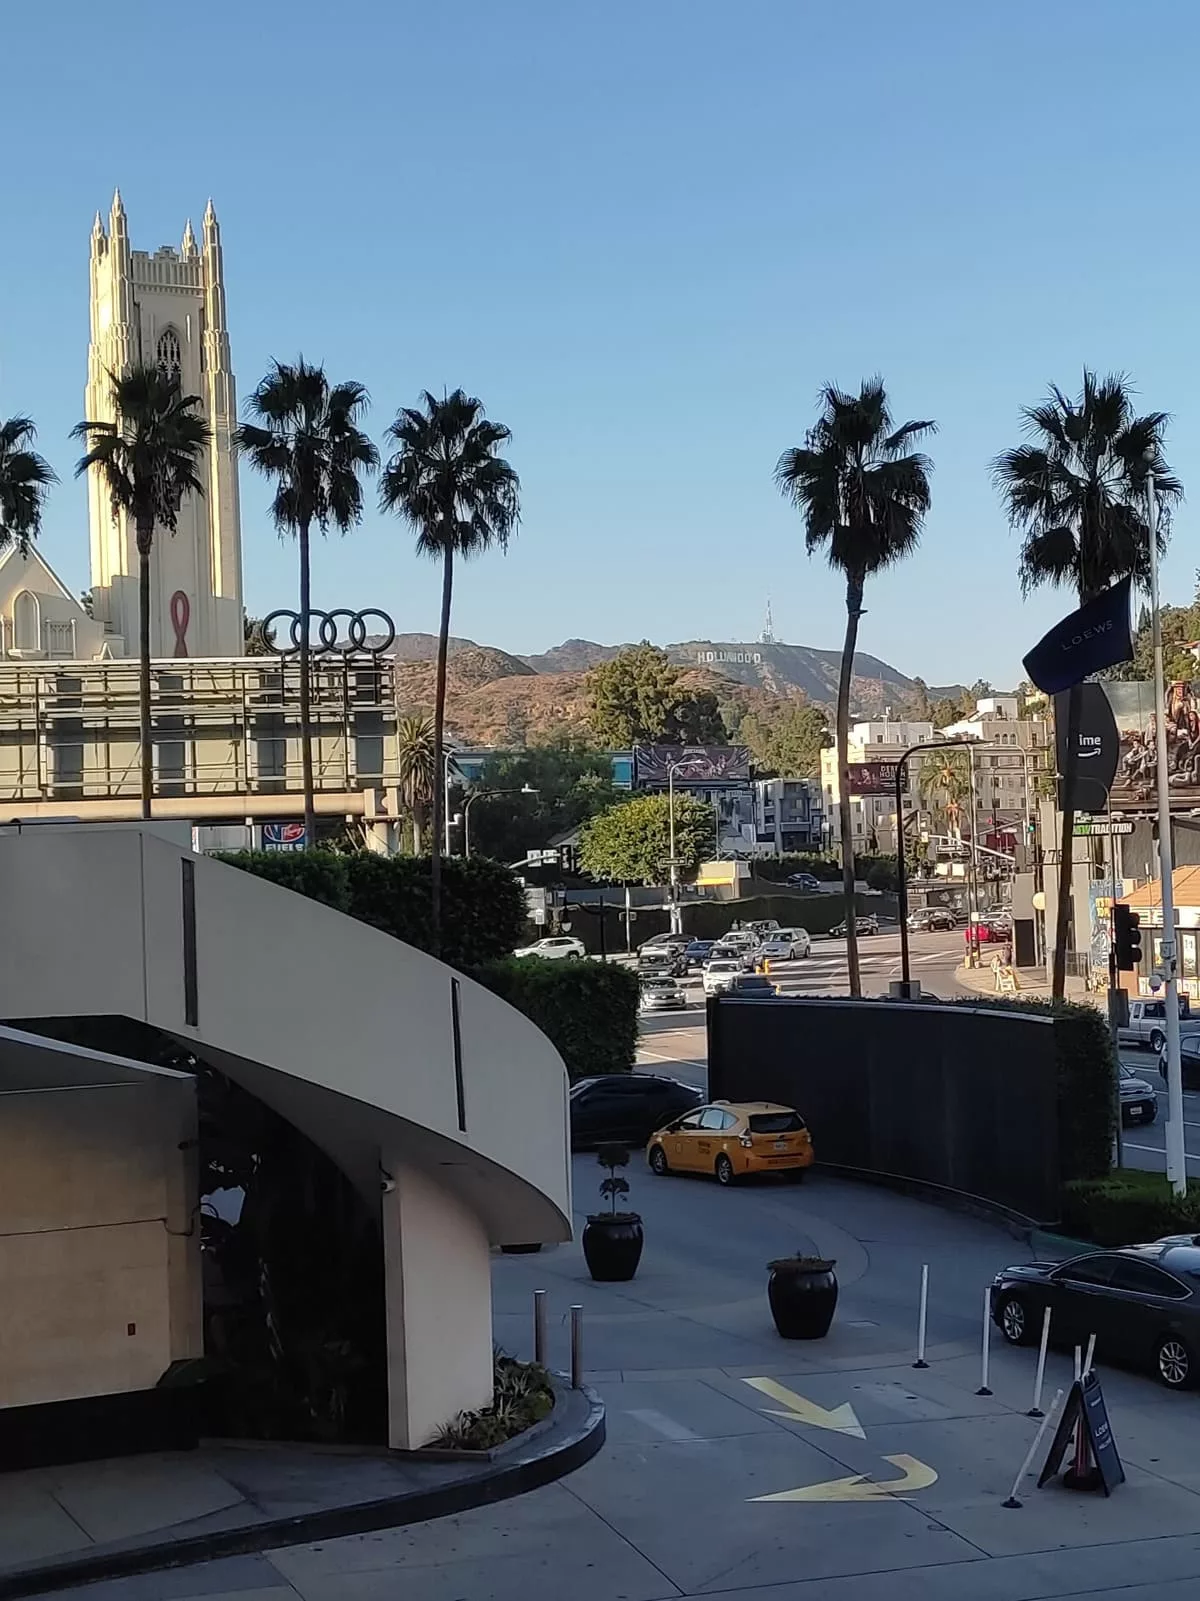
{"x": 25, "y": 478}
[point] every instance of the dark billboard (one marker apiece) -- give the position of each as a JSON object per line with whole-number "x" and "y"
{"x": 873, "y": 778}
{"x": 692, "y": 764}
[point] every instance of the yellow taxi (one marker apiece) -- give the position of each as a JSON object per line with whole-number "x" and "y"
{"x": 731, "y": 1139}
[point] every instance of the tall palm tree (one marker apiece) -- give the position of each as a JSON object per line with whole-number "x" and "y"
{"x": 149, "y": 458}
{"x": 308, "y": 440}
{"x": 863, "y": 493}
{"x": 944, "y": 781}
{"x": 446, "y": 480}
{"x": 25, "y": 478}
{"x": 1077, "y": 493}
{"x": 417, "y": 764}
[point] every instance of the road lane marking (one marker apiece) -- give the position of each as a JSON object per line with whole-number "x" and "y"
{"x": 914, "y": 1475}
{"x": 840, "y": 1419}
{"x": 661, "y": 1423}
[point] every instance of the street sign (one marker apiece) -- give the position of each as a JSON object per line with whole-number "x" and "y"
{"x": 1085, "y": 1409}
{"x": 283, "y": 836}
{"x": 1085, "y": 826}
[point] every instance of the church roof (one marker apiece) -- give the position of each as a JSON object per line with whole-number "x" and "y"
{"x": 12, "y": 554}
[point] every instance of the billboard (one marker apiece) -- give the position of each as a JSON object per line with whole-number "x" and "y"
{"x": 1098, "y": 752}
{"x": 1133, "y": 784}
{"x": 692, "y": 764}
{"x": 873, "y": 778}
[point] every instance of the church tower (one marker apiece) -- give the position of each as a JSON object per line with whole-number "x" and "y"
{"x": 167, "y": 308}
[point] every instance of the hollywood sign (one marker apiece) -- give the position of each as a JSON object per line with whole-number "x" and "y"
{"x": 748, "y": 658}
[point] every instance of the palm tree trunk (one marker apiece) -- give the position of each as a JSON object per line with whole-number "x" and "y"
{"x": 439, "y": 763}
{"x": 416, "y": 830}
{"x": 145, "y": 538}
{"x": 1062, "y": 913}
{"x": 306, "y": 760}
{"x": 854, "y": 595}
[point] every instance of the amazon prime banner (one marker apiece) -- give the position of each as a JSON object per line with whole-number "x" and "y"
{"x": 1098, "y": 750}
{"x": 1090, "y": 639}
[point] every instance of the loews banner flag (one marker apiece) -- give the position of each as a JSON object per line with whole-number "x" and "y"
{"x": 1094, "y": 637}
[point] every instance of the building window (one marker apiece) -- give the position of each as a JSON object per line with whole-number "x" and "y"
{"x": 27, "y": 621}
{"x": 169, "y": 358}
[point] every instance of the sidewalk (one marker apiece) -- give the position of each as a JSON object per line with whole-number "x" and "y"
{"x": 982, "y": 981}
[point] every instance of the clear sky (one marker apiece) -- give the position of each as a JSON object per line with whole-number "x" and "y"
{"x": 643, "y": 233}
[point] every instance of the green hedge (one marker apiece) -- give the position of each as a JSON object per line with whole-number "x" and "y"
{"x": 1085, "y": 1069}
{"x": 589, "y": 1010}
{"x": 1127, "y": 1207}
{"x": 483, "y": 905}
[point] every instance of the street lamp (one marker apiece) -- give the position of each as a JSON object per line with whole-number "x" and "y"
{"x": 482, "y": 794}
{"x": 937, "y": 744}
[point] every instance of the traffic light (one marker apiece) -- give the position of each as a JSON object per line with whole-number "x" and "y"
{"x": 1127, "y": 938}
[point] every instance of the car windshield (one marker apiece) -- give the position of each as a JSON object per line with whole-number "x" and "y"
{"x": 775, "y": 1123}
{"x": 658, "y": 984}
{"x": 724, "y": 967}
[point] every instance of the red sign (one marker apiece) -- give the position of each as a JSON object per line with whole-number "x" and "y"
{"x": 873, "y": 778}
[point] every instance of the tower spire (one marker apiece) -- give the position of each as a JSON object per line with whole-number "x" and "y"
{"x": 768, "y": 633}
{"x": 188, "y": 248}
{"x": 118, "y": 208}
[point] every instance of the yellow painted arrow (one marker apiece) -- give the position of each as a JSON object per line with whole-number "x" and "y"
{"x": 840, "y": 1419}
{"x": 914, "y": 1476}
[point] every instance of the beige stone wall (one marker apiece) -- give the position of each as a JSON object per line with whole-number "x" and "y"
{"x": 99, "y": 1239}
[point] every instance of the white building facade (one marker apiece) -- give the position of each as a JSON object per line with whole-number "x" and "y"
{"x": 873, "y": 818}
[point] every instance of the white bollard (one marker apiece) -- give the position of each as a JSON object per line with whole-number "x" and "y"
{"x": 1091, "y": 1352}
{"x": 1078, "y": 1363}
{"x": 987, "y": 1340}
{"x": 1035, "y": 1411}
{"x": 921, "y": 1317}
{"x": 1032, "y": 1452}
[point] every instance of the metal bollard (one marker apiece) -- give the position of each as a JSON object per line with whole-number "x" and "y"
{"x": 921, "y": 1317}
{"x": 539, "y": 1326}
{"x": 984, "y": 1387}
{"x": 576, "y": 1347}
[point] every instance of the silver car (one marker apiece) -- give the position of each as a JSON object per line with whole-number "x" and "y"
{"x": 661, "y": 995}
{"x": 719, "y": 975}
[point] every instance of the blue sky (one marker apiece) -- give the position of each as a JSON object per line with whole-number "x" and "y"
{"x": 644, "y": 233}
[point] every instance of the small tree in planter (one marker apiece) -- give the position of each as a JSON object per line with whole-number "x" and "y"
{"x": 612, "y": 1240}
{"x": 803, "y": 1293}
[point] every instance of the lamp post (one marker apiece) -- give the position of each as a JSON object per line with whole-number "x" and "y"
{"x": 485, "y": 794}
{"x": 901, "y": 865}
{"x": 674, "y": 864}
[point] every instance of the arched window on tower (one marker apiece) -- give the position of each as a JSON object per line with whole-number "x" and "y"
{"x": 26, "y": 623}
{"x": 169, "y": 359}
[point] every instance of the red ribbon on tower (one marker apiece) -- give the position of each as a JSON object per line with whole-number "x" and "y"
{"x": 181, "y": 613}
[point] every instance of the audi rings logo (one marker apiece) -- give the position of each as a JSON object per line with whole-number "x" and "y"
{"x": 330, "y": 638}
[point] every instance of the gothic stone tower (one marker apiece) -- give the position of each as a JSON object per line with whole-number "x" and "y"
{"x": 168, "y": 308}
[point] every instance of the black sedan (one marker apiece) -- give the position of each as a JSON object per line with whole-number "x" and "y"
{"x": 1142, "y": 1303}
{"x": 626, "y": 1108}
{"x": 1189, "y": 1061}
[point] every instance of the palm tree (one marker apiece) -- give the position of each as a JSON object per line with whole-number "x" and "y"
{"x": 447, "y": 482}
{"x": 863, "y": 493}
{"x": 1077, "y": 493}
{"x": 25, "y": 478}
{"x": 310, "y": 443}
{"x": 417, "y": 763}
{"x": 945, "y": 779}
{"x": 149, "y": 458}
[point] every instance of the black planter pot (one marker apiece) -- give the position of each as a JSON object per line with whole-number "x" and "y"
{"x": 612, "y": 1246}
{"x": 802, "y": 1302}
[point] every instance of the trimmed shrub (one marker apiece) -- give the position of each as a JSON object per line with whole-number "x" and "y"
{"x": 588, "y": 1010}
{"x": 1128, "y": 1207}
{"x": 321, "y": 875}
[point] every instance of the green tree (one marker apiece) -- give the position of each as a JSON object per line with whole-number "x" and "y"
{"x": 447, "y": 480}
{"x": 631, "y": 842}
{"x": 258, "y": 640}
{"x": 307, "y": 439}
{"x": 863, "y": 493}
{"x": 572, "y": 782}
{"x": 148, "y": 459}
{"x": 1077, "y": 493}
{"x": 416, "y": 761}
{"x": 922, "y": 706}
{"x": 788, "y": 744}
{"x": 639, "y": 698}
{"x": 25, "y": 479}
{"x": 945, "y": 711}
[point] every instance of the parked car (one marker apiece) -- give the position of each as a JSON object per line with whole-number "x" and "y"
{"x": 986, "y": 934}
{"x": 1147, "y": 1023}
{"x": 786, "y": 945}
{"x": 1142, "y": 1302}
{"x": 626, "y": 1107}
{"x": 720, "y": 974}
{"x": 661, "y": 995}
{"x": 1189, "y": 1061}
{"x": 660, "y": 961}
{"x": 554, "y": 948}
{"x": 1139, "y": 1104}
{"x": 862, "y": 925}
{"x": 753, "y": 987}
{"x": 928, "y": 919}
{"x": 732, "y": 1139}
{"x": 698, "y": 951}
{"x": 762, "y": 927}
{"x": 803, "y": 881}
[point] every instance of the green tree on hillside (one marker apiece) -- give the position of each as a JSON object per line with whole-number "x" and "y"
{"x": 631, "y": 842}
{"x": 789, "y": 744}
{"x": 638, "y": 698}
{"x": 572, "y": 780}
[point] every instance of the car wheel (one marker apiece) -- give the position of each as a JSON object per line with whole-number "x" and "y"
{"x": 1014, "y": 1320}
{"x": 724, "y": 1170}
{"x": 1157, "y": 1040}
{"x": 1173, "y": 1363}
{"x": 658, "y": 1161}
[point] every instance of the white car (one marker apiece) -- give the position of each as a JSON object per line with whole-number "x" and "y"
{"x": 786, "y": 945}
{"x": 719, "y": 976}
{"x": 555, "y": 948}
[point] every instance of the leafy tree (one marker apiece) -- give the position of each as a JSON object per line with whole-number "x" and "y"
{"x": 863, "y": 493}
{"x": 573, "y": 782}
{"x": 946, "y": 711}
{"x": 631, "y": 842}
{"x": 416, "y": 760}
{"x": 638, "y": 698}
{"x": 788, "y": 744}
{"x": 922, "y": 706}
{"x": 308, "y": 440}
{"x": 446, "y": 479}
{"x": 258, "y": 640}
{"x": 1077, "y": 492}
{"x": 148, "y": 459}
{"x": 25, "y": 479}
